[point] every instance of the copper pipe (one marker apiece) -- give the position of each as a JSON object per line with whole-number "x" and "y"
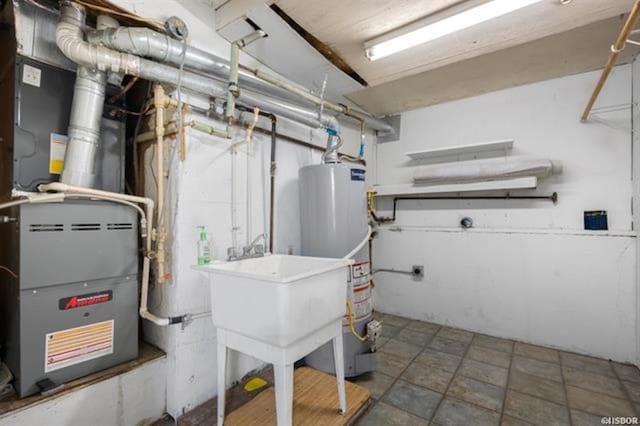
{"x": 613, "y": 57}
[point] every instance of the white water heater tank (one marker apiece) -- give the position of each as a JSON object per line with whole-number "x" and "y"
{"x": 333, "y": 200}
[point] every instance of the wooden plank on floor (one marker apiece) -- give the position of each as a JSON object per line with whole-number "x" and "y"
{"x": 315, "y": 402}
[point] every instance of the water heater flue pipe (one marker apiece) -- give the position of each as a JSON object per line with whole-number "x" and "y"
{"x": 84, "y": 127}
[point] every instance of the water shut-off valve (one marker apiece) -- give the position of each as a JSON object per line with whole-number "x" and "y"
{"x": 374, "y": 331}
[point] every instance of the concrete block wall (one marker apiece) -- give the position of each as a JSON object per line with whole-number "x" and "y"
{"x": 527, "y": 270}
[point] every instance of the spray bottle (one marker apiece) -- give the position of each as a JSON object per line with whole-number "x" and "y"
{"x": 204, "y": 247}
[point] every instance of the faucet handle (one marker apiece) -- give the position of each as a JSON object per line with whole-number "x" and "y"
{"x": 258, "y": 249}
{"x": 232, "y": 252}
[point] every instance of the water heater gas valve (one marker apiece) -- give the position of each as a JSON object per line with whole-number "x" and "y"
{"x": 374, "y": 331}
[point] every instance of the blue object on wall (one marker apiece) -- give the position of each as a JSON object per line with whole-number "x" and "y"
{"x": 596, "y": 220}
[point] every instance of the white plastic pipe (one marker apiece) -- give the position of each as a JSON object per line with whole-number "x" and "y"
{"x": 487, "y": 169}
{"x": 146, "y": 226}
{"x": 360, "y": 245}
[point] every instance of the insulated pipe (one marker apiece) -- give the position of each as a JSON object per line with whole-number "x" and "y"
{"x": 486, "y": 169}
{"x": 84, "y": 121}
{"x": 69, "y": 38}
{"x": 160, "y": 101}
{"x": 84, "y": 127}
{"x": 160, "y": 47}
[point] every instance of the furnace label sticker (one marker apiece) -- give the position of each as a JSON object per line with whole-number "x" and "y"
{"x": 58, "y": 147}
{"x": 31, "y": 75}
{"x": 72, "y": 346}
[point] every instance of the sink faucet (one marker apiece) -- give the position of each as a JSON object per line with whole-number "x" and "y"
{"x": 252, "y": 250}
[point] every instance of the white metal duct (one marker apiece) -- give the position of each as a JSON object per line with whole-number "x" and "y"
{"x": 309, "y": 67}
{"x": 488, "y": 169}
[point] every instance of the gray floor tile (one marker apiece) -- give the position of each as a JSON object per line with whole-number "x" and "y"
{"x": 389, "y": 331}
{"x": 384, "y": 414}
{"x": 536, "y": 352}
{"x": 413, "y": 337}
{"x": 437, "y": 359}
{"x": 456, "y": 334}
{"x": 535, "y": 393}
{"x": 442, "y": 344}
{"x": 424, "y": 327}
{"x": 402, "y": 349}
{"x": 536, "y": 386}
{"x": 598, "y": 404}
{"x": 458, "y": 413}
{"x": 535, "y": 410}
{"x": 381, "y": 341}
{"x": 489, "y": 356}
{"x": 484, "y": 372}
{"x": 391, "y": 365}
{"x": 546, "y": 370}
{"x": 633, "y": 389}
{"x": 475, "y": 392}
{"x": 593, "y": 382}
{"x": 495, "y": 343}
{"x": 376, "y": 382}
{"x": 579, "y": 418}
{"x": 394, "y": 320}
{"x": 512, "y": 421}
{"x": 429, "y": 377}
{"x": 627, "y": 372}
{"x": 581, "y": 362}
{"x": 414, "y": 399}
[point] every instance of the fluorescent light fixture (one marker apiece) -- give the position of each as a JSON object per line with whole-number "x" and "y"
{"x": 470, "y": 17}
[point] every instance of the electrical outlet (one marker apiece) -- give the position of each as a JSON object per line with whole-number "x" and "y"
{"x": 418, "y": 272}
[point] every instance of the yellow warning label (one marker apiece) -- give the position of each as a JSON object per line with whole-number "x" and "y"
{"x": 75, "y": 345}
{"x": 57, "y": 150}
{"x": 55, "y": 167}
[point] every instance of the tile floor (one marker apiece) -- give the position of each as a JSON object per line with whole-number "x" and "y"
{"x": 428, "y": 374}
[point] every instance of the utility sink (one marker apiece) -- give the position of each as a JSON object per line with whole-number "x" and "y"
{"x": 277, "y": 299}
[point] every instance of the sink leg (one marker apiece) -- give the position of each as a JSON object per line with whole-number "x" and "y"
{"x": 284, "y": 393}
{"x": 338, "y": 359}
{"x": 222, "y": 385}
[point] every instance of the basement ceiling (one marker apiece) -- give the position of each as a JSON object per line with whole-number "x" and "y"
{"x": 345, "y": 26}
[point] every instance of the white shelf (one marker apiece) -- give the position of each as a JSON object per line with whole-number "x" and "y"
{"x": 494, "y": 185}
{"x": 502, "y": 145}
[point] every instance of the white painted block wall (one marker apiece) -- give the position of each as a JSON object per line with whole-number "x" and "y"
{"x": 133, "y": 398}
{"x": 201, "y": 196}
{"x": 526, "y": 271}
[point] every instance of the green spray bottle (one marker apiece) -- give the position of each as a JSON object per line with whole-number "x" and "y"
{"x": 204, "y": 247}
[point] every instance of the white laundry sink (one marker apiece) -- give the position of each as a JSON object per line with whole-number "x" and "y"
{"x": 277, "y": 299}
